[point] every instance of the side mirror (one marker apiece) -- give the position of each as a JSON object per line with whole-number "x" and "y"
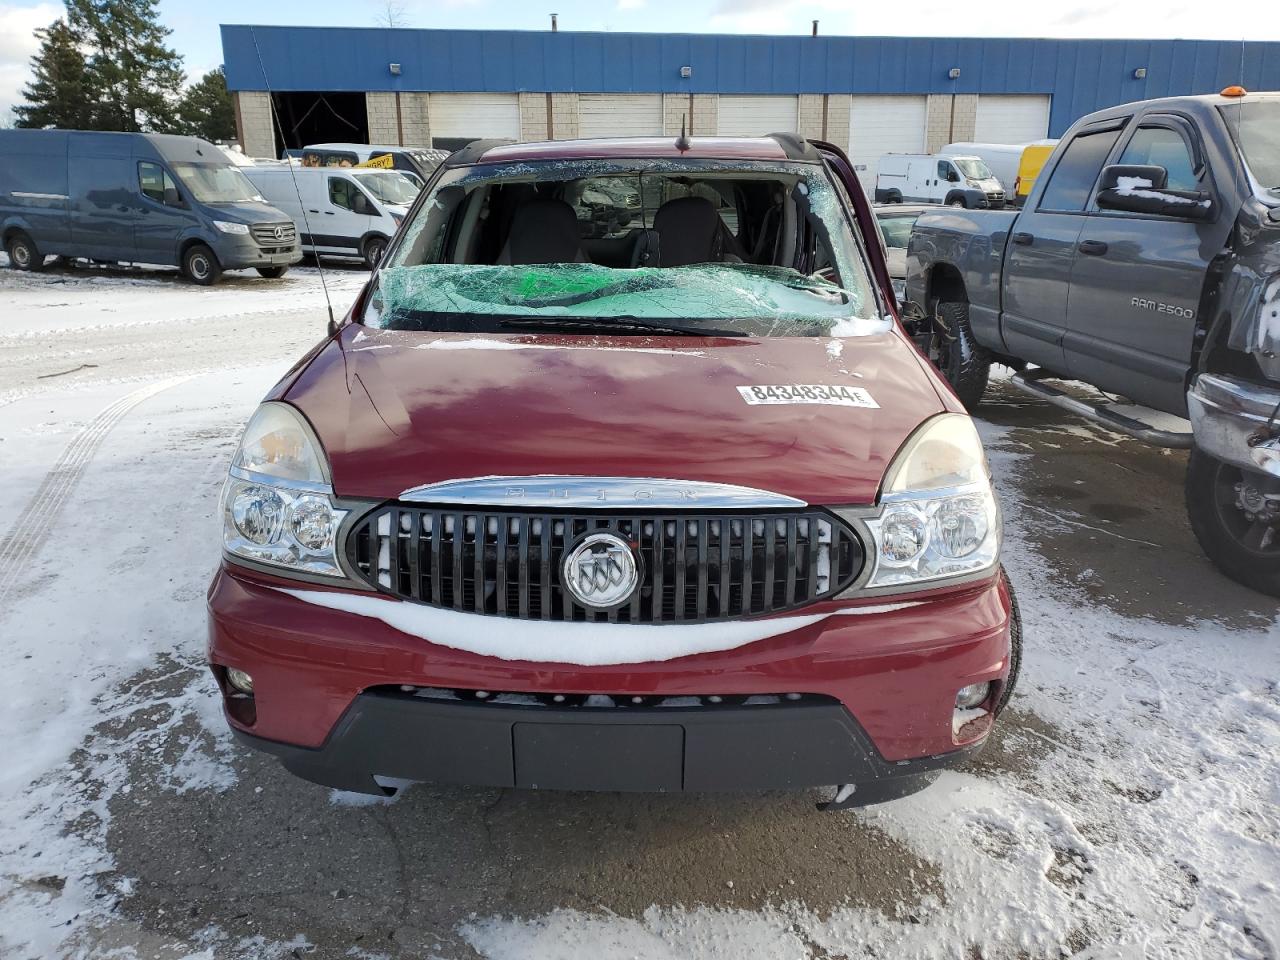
{"x": 1142, "y": 188}
{"x": 172, "y": 198}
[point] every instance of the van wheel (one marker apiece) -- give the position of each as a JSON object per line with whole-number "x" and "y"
{"x": 1015, "y": 645}
{"x": 200, "y": 265}
{"x": 272, "y": 273}
{"x": 958, "y": 355}
{"x": 1235, "y": 514}
{"x": 373, "y": 250}
{"x": 956, "y": 202}
{"x": 23, "y": 253}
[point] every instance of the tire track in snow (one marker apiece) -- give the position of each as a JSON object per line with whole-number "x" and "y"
{"x": 22, "y": 543}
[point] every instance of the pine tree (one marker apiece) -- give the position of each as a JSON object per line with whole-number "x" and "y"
{"x": 138, "y": 78}
{"x": 206, "y": 109}
{"x": 61, "y": 93}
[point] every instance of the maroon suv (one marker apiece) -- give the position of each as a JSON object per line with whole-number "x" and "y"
{"x": 620, "y": 475}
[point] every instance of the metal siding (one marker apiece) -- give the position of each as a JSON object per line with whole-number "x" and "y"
{"x": 1081, "y": 75}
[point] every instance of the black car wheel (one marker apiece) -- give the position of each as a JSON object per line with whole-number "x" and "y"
{"x": 957, "y": 202}
{"x": 374, "y": 248}
{"x": 272, "y": 273}
{"x": 23, "y": 253}
{"x": 958, "y": 355}
{"x": 200, "y": 265}
{"x": 1235, "y": 514}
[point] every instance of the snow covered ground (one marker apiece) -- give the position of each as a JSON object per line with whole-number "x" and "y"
{"x": 1128, "y": 807}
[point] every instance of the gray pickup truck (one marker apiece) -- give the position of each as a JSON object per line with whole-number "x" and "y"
{"x": 1146, "y": 262}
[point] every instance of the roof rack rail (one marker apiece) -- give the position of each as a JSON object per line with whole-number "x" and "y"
{"x": 796, "y": 147}
{"x": 473, "y": 151}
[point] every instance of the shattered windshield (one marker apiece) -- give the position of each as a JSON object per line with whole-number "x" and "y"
{"x": 632, "y": 247}
{"x": 1256, "y": 126}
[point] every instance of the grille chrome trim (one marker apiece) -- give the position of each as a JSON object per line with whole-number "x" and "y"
{"x": 603, "y": 493}
{"x": 694, "y": 566}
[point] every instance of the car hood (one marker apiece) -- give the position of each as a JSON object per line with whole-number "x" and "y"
{"x": 250, "y": 212}
{"x": 395, "y": 410}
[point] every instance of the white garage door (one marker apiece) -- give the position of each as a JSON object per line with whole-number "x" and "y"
{"x": 620, "y": 115}
{"x": 474, "y": 116}
{"x": 1011, "y": 119}
{"x": 884, "y": 124}
{"x": 742, "y": 116}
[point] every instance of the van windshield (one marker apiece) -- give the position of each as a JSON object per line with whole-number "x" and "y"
{"x": 389, "y": 187}
{"x": 217, "y": 183}
{"x": 973, "y": 168}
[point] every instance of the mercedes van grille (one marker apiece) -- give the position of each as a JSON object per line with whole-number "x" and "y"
{"x": 274, "y": 235}
{"x": 693, "y": 567}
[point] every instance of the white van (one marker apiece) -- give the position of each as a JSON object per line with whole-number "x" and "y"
{"x": 1004, "y": 159}
{"x": 343, "y": 212}
{"x": 954, "y": 180}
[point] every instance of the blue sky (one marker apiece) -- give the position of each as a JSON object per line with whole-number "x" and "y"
{"x": 195, "y": 25}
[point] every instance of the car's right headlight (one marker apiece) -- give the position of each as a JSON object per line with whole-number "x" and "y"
{"x": 278, "y": 507}
{"x": 939, "y": 516}
{"x": 227, "y": 226}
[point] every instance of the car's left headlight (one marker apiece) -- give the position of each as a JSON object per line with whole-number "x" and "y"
{"x": 227, "y": 226}
{"x": 277, "y": 506}
{"x": 939, "y": 516}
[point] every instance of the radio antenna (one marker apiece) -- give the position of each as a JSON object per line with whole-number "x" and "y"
{"x": 293, "y": 175}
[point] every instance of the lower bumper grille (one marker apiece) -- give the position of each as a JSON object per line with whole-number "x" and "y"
{"x": 692, "y": 567}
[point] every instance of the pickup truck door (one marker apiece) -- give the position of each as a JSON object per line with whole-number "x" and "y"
{"x": 1137, "y": 280}
{"x": 1041, "y": 249}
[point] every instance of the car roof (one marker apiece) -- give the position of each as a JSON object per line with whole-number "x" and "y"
{"x": 644, "y": 148}
{"x": 1201, "y": 103}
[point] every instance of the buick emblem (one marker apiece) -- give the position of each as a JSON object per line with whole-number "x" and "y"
{"x": 279, "y": 233}
{"x": 600, "y": 572}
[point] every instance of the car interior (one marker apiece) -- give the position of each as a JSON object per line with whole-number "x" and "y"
{"x": 627, "y": 221}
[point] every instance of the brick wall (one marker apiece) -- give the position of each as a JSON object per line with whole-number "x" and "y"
{"x": 943, "y": 126}
{"x": 564, "y": 116}
{"x": 255, "y": 124}
{"x": 381, "y": 111}
{"x": 415, "y": 118}
{"x": 533, "y": 116}
{"x": 838, "y": 106}
{"x": 810, "y": 116}
{"x": 675, "y": 110}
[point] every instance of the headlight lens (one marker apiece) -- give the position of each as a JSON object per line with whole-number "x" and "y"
{"x": 278, "y": 505}
{"x": 226, "y": 226}
{"x": 940, "y": 517}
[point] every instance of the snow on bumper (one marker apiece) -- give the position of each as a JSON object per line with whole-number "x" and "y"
{"x": 896, "y": 670}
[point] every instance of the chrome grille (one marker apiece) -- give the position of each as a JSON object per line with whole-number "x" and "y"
{"x": 264, "y": 234}
{"x": 694, "y": 567}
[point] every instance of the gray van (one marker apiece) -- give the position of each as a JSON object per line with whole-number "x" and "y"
{"x": 137, "y": 198}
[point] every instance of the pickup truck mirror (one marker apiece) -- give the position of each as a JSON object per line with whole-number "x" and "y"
{"x": 1141, "y": 188}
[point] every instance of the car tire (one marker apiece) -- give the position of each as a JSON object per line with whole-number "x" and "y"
{"x": 373, "y": 250}
{"x": 956, "y": 202}
{"x": 199, "y": 265}
{"x": 956, "y": 353}
{"x": 272, "y": 273}
{"x": 1218, "y": 493}
{"x": 1015, "y": 645}
{"x": 23, "y": 252}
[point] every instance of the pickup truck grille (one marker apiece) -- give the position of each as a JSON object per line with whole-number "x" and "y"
{"x": 693, "y": 567}
{"x": 266, "y": 236}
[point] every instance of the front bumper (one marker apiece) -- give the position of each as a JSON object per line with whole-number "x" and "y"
{"x": 1230, "y": 419}
{"x": 877, "y": 691}
{"x": 243, "y": 252}
{"x": 655, "y": 749}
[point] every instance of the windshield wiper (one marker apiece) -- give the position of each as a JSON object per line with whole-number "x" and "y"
{"x": 619, "y": 323}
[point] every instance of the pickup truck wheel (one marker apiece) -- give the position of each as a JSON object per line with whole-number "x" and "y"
{"x": 1235, "y": 514}
{"x": 200, "y": 265}
{"x": 954, "y": 351}
{"x": 23, "y": 253}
